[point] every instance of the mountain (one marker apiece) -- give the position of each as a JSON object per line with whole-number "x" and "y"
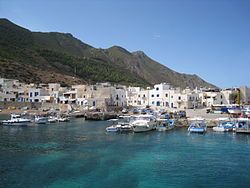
{"x": 60, "y": 57}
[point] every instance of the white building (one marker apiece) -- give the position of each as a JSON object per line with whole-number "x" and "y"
{"x": 36, "y": 93}
{"x": 216, "y": 97}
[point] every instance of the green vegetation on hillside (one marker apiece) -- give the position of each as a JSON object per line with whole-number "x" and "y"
{"x": 59, "y": 57}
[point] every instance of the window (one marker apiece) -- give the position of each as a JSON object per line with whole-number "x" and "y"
{"x": 144, "y": 95}
{"x": 157, "y": 95}
{"x": 157, "y": 89}
{"x": 152, "y": 95}
{"x": 179, "y": 98}
{"x": 166, "y": 95}
{"x": 139, "y": 96}
{"x": 153, "y": 102}
{"x": 172, "y": 96}
{"x": 30, "y": 94}
{"x": 221, "y": 97}
{"x": 36, "y": 93}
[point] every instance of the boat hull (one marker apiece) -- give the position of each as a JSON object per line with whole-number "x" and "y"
{"x": 15, "y": 123}
{"x": 140, "y": 129}
{"x": 197, "y": 130}
{"x": 112, "y": 129}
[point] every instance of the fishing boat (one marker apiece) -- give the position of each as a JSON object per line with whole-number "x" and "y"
{"x": 235, "y": 110}
{"x": 164, "y": 124}
{"x": 242, "y": 125}
{"x": 224, "y": 125}
{"x": 113, "y": 127}
{"x": 52, "y": 119}
{"x": 122, "y": 124}
{"x": 62, "y": 119}
{"x": 246, "y": 111}
{"x": 143, "y": 123}
{"x": 197, "y": 126}
{"x": 16, "y": 120}
{"x": 41, "y": 120}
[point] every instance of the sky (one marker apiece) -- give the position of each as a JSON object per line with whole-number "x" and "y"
{"x": 210, "y": 38}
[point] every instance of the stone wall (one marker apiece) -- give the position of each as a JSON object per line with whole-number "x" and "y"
{"x": 19, "y": 105}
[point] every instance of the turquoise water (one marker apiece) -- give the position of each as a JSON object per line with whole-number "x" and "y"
{"x": 81, "y": 154}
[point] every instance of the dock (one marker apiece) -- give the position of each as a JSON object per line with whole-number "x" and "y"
{"x": 243, "y": 130}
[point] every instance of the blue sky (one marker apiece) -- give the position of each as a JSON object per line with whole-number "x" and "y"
{"x": 208, "y": 38}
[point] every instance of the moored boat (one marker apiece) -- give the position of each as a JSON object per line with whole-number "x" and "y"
{"x": 242, "y": 125}
{"x": 235, "y": 110}
{"x": 16, "y": 120}
{"x": 41, "y": 120}
{"x": 122, "y": 124}
{"x": 164, "y": 124}
{"x": 143, "y": 123}
{"x": 52, "y": 119}
{"x": 62, "y": 119}
{"x": 197, "y": 126}
{"x": 224, "y": 125}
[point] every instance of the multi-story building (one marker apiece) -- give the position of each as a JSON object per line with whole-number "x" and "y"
{"x": 245, "y": 94}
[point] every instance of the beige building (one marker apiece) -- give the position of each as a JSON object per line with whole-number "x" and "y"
{"x": 245, "y": 94}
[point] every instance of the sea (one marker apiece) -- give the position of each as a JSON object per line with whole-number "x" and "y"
{"x": 81, "y": 153}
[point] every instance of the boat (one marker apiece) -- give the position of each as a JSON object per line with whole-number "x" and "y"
{"x": 246, "y": 111}
{"x": 164, "y": 124}
{"x": 62, "y": 119}
{"x": 242, "y": 125}
{"x": 122, "y": 124}
{"x": 224, "y": 125}
{"x": 52, "y": 119}
{"x": 16, "y": 120}
{"x": 41, "y": 120}
{"x": 113, "y": 128}
{"x": 235, "y": 110}
{"x": 143, "y": 123}
{"x": 197, "y": 126}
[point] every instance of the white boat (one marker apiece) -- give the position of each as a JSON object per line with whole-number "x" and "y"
{"x": 41, "y": 120}
{"x": 197, "y": 126}
{"x": 246, "y": 111}
{"x": 234, "y": 110}
{"x": 113, "y": 128}
{"x": 224, "y": 126}
{"x": 62, "y": 119}
{"x": 16, "y": 120}
{"x": 52, "y": 119}
{"x": 164, "y": 124}
{"x": 122, "y": 124}
{"x": 143, "y": 123}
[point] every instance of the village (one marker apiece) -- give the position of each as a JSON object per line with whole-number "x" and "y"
{"x": 107, "y": 97}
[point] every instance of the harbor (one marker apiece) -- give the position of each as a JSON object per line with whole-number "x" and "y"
{"x": 79, "y": 152}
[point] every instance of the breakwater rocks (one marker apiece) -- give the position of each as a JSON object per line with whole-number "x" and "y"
{"x": 97, "y": 116}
